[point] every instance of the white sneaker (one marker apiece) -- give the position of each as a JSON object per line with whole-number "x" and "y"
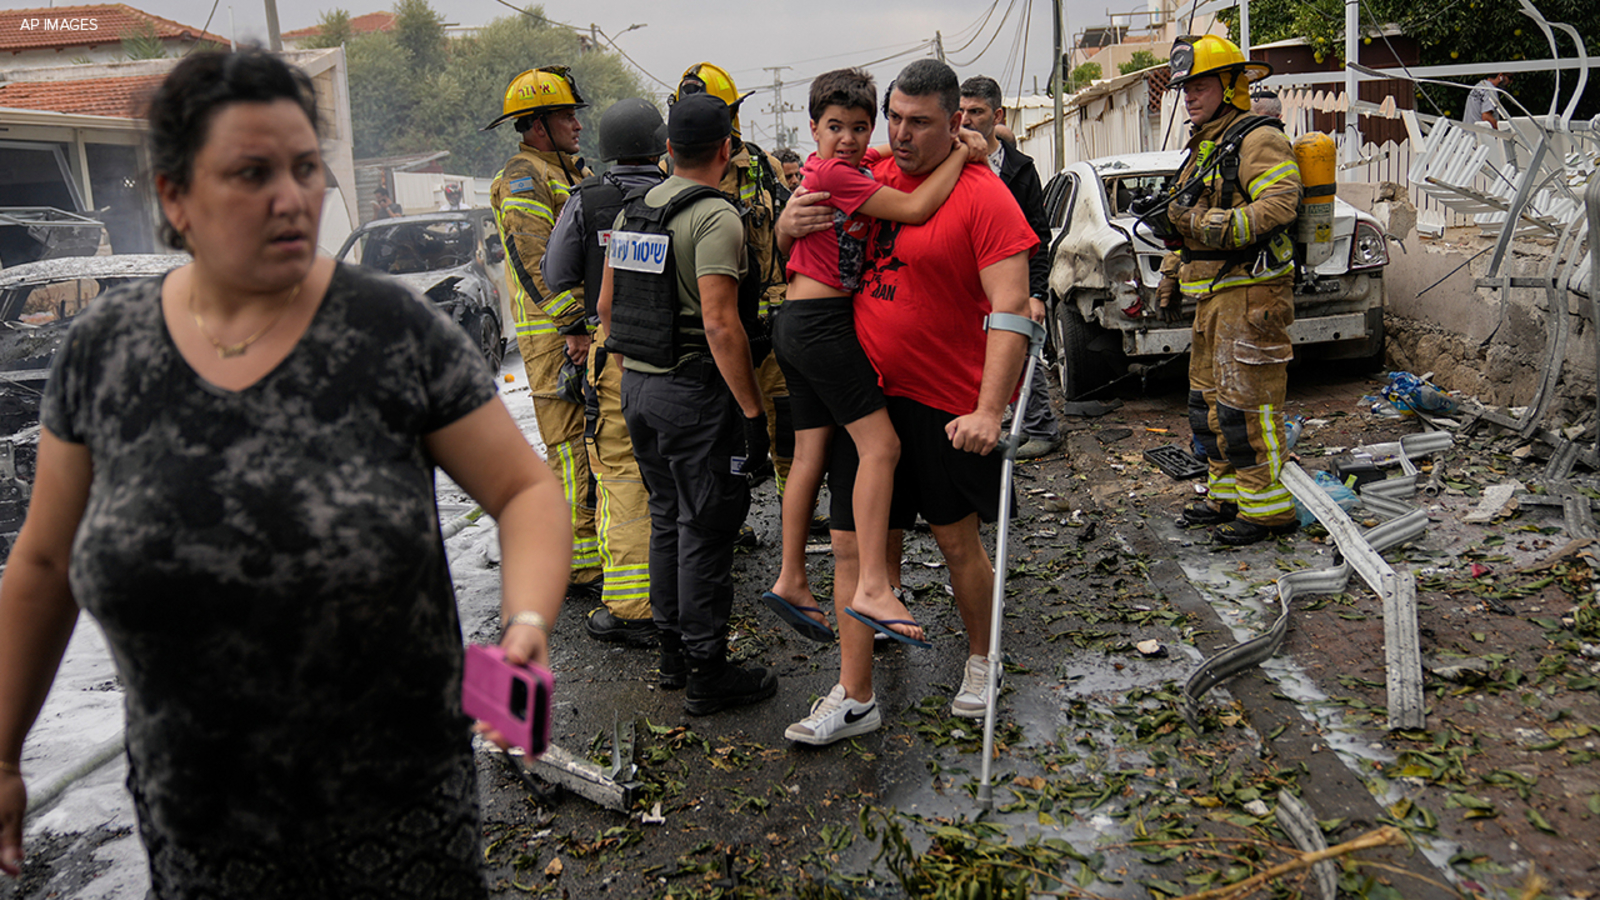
{"x": 835, "y": 717}
{"x": 971, "y": 701}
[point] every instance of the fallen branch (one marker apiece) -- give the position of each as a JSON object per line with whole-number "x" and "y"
{"x": 1570, "y": 549}
{"x": 1386, "y": 836}
{"x": 1407, "y": 873}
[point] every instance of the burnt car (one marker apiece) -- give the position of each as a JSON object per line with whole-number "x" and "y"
{"x": 37, "y": 302}
{"x": 39, "y": 299}
{"x": 1103, "y": 316}
{"x": 447, "y": 257}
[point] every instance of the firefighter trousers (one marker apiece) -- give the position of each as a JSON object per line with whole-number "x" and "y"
{"x": 622, "y": 505}
{"x": 780, "y": 427}
{"x": 1238, "y": 375}
{"x": 561, "y": 429}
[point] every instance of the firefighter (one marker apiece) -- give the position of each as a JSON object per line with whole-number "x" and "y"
{"x": 631, "y": 134}
{"x": 754, "y": 182}
{"x": 1233, "y": 210}
{"x": 527, "y": 196}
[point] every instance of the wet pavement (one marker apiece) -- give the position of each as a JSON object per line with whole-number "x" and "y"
{"x": 1101, "y": 788}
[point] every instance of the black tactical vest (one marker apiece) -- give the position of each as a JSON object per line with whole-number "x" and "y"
{"x": 645, "y": 322}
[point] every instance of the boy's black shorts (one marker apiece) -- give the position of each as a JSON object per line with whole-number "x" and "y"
{"x": 830, "y": 380}
{"x": 943, "y": 484}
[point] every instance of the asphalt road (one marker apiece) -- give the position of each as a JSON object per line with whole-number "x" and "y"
{"x": 1101, "y": 788}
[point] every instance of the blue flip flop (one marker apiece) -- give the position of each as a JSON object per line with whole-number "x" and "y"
{"x": 797, "y": 618}
{"x": 881, "y": 626}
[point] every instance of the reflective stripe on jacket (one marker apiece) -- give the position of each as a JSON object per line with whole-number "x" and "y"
{"x": 527, "y": 196}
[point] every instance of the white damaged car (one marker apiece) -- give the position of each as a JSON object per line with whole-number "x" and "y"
{"x": 1103, "y": 318}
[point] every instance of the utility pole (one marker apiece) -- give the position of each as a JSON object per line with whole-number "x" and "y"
{"x": 938, "y": 46}
{"x": 274, "y": 39}
{"x": 1060, "y": 85}
{"x": 778, "y": 108}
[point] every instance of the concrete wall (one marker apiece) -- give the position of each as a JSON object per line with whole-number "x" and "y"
{"x": 1438, "y": 319}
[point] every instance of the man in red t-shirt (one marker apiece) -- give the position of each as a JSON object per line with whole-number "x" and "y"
{"x": 919, "y": 315}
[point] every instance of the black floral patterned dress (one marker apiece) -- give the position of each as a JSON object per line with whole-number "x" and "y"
{"x": 267, "y": 568}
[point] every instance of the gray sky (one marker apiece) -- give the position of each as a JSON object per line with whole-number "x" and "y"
{"x": 810, "y": 36}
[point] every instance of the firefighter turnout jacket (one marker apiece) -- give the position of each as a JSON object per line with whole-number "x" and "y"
{"x": 751, "y": 182}
{"x": 527, "y": 196}
{"x": 1238, "y": 231}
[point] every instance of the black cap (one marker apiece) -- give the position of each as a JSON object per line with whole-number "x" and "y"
{"x": 699, "y": 119}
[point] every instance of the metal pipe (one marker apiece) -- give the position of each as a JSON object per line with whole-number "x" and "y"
{"x": 1591, "y": 200}
{"x": 1244, "y": 28}
{"x": 1352, "y": 54}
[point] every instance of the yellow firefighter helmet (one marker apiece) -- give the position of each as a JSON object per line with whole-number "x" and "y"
{"x": 709, "y": 78}
{"x": 542, "y": 90}
{"x": 1210, "y": 54}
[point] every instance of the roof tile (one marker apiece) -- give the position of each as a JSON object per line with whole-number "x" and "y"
{"x": 123, "y": 97}
{"x": 65, "y": 27}
{"x": 382, "y": 20}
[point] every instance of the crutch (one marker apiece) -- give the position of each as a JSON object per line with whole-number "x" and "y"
{"x": 1008, "y": 445}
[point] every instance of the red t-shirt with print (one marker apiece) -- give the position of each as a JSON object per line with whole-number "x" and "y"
{"x": 835, "y": 256}
{"x": 920, "y": 308}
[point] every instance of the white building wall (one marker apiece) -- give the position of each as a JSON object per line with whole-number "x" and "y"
{"x": 99, "y": 54}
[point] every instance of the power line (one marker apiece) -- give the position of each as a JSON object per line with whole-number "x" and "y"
{"x": 921, "y": 47}
{"x": 991, "y": 38}
{"x": 837, "y": 55}
{"x": 1022, "y": 38}
{"x": 977, "y": 24}
{"x": 575, "y": 29}
{"x": 979, "y": 30}
{"x": 1396, "y": 57}
{"x": 206, "y": 28}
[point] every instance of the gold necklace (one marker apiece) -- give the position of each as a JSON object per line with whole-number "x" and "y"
{"x": 229, "y": 351}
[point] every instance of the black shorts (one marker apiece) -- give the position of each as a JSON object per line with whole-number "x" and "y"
{"x": 935, "y": 479}
{"x": 831, "y": 381}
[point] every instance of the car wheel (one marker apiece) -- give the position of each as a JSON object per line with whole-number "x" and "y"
{"x": 490, "y": 341}
{"x": 1086, "y": 355}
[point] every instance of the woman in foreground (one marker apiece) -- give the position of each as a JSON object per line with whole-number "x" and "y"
{"x": 235, "y": 478}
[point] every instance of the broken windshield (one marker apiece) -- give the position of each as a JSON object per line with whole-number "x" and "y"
{"x": 409, "y": 247}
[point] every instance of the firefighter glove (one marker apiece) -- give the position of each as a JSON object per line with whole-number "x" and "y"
{"x": 1211, "y": 226}
{"x": 1169, "y": 299}
{"x": 1186, "y": 216}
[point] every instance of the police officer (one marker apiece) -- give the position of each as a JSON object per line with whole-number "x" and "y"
{"x": 527, "y": 196}
{"x": 670, "y": 303}
{"x": 631, "y": 134}
{"x": 754, "y": 183}
{"x": 1237, "y": 197}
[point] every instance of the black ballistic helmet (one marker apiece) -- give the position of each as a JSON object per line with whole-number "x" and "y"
{"x": 632, "y": 129}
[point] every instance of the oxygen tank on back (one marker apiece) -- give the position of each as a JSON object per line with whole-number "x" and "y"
{"x": 1317, "y": 157}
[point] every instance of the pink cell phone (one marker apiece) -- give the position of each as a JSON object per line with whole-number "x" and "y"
{"x": 515, "y": 700}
